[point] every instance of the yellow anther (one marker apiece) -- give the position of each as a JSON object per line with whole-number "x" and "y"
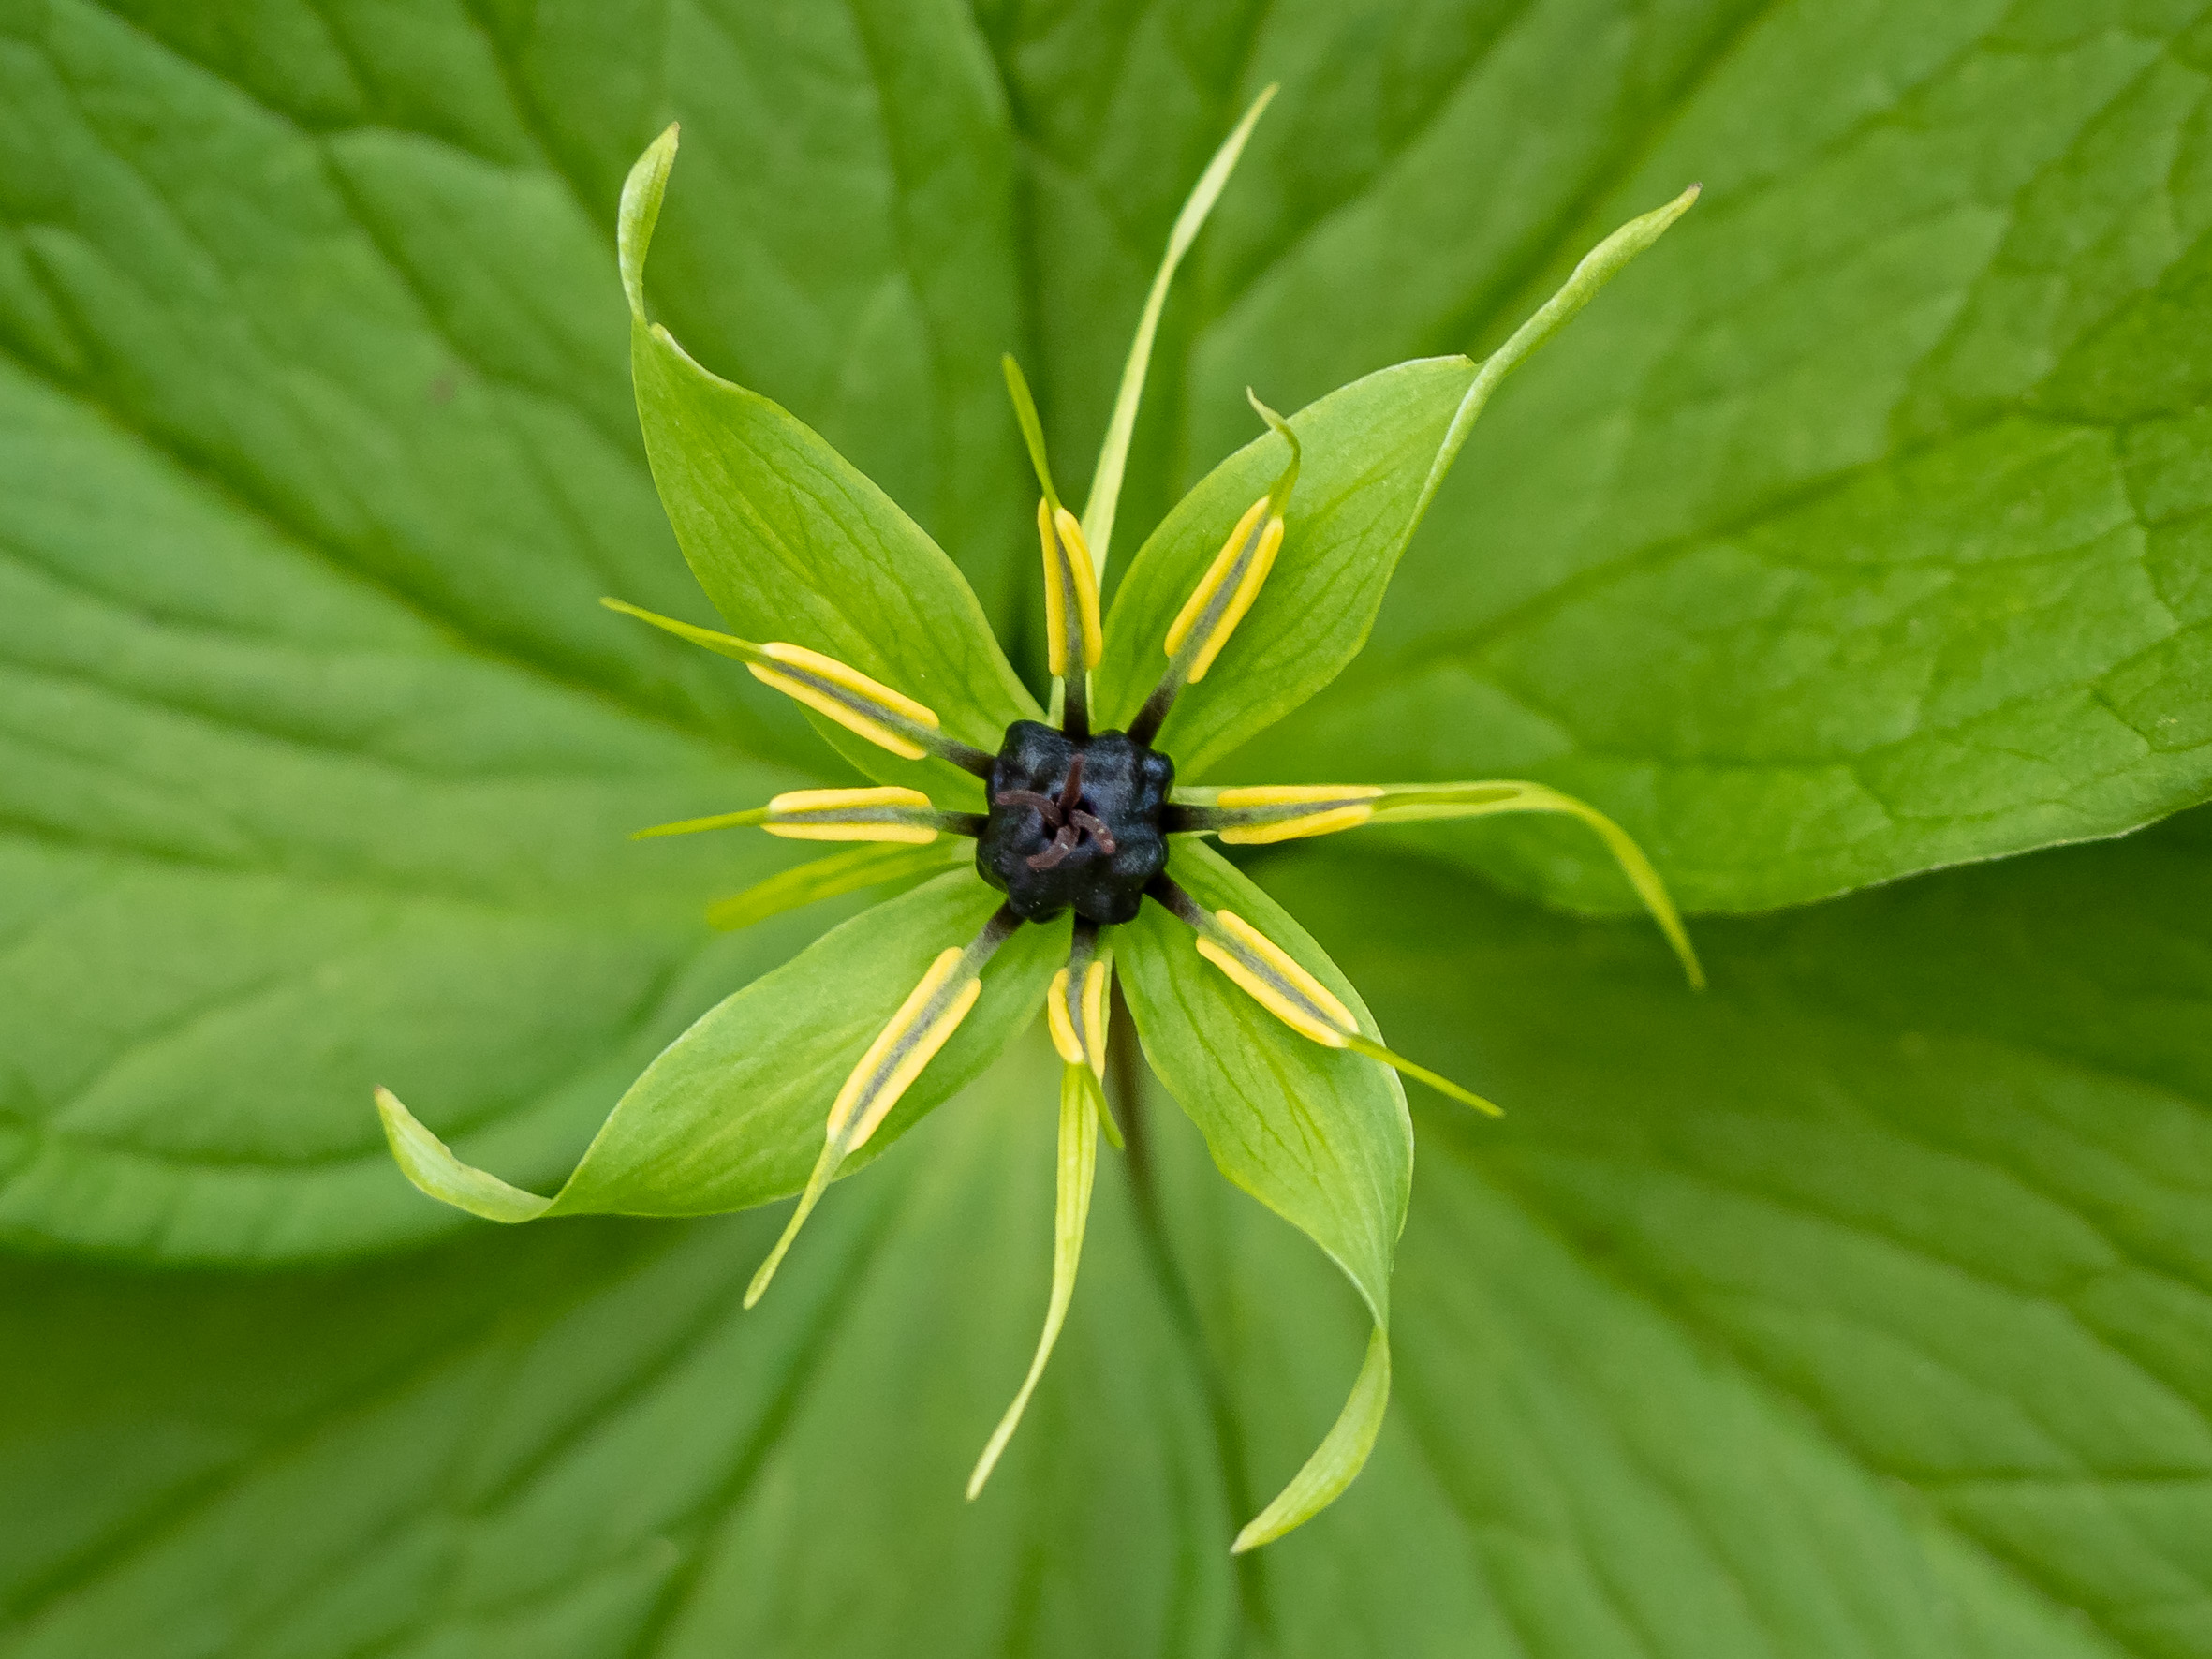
{"x": 1094, "y": 979}
{"x": 1272, "y": 978}
{"x": 1063, "y": 1028}
{"x": 1068, "y": 564}
{"x": 1216, "y": 573}
{"x": 816, "y": 681}
{"x": 849, "y": 815}
{"x": 1089, "y": 1047}
{"x": 1332, "y": 806}
{"x": 830, "y": 800}
{"x": 929, "y": 1015}
{"x": 1253, "y": 544}
{"x": 1270, "y": 544}
{"x": 925, "y": 1020}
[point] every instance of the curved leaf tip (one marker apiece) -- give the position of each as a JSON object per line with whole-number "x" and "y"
{"x": 1335, "y": 1460}
{"x": 430, "y": 1163}
{"x": 1278, "y": 495}
{"x": 648, "y": 182}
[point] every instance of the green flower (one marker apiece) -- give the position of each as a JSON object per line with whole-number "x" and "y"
{"x": 1089, "y": 853}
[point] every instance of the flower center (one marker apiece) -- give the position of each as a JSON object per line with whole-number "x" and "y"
{"x": 1075, "y": 823}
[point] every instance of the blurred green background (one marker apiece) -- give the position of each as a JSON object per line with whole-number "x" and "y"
{"x": 1862, "y": 1306}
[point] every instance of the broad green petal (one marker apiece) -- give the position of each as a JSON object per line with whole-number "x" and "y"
{"x": 1319, "y": 1135}
{"x": 732, "y": 1113}
{"x": 793, "y": 543}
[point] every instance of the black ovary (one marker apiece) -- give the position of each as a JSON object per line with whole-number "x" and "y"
{"x": 1093, "y": 851}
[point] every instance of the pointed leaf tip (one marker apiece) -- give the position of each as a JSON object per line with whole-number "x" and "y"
{"x": 639, "y": 211}
{"x": 1278, "y": 495}
{"x": 1336, "y": 1461}
{"x": 430, "y": 1163}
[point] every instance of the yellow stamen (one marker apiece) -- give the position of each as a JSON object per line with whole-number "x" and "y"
{"x": 1063, "y": 1029}
{"x": 822, "y": 800}
{"x": 816, "y": 697}
{"x": 908, "y": 1042}
{"x": 1087, "y": 1046}
{"x": 1270, "y": 544}
{"x": 917, "y": 835}
{"x": 1067, "y": 563}
{"x": 1338, "y": 806}
{"x": 1216, "y": 573}
{"x": 819, "y": 815}
{"x": 1273, "y": 979}
{"x": 1094, "y": 979}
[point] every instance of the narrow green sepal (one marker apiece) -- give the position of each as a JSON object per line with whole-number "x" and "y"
{"x": 648, "y": 182}
{"x": 1071, "y": 1209}
{"x": 430, "y": 1163}
{"x": 1113, "y": 454}
{"x": 825, "y": 1171}
{"x": 1017, "y": 388}
{"x": 1597, "y": 268}
{"x": 808, "y": 884}
{"x": 1443, "y": 1085}
{"x": 749, "y": 819}
{"x": 1417, "y": 802}
{"x": 726, "y": 645}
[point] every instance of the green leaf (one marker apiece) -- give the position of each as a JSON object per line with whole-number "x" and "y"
{"x": 1368, "y": 450}
{"x": 1319, "y": 1135}
{"x": 794, "y": 543}
{"x": 731, "y": 1114}
{"x": 321, "y": 446}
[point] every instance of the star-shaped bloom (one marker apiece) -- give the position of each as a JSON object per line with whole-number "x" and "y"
{"x": 1066, "y": 848}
